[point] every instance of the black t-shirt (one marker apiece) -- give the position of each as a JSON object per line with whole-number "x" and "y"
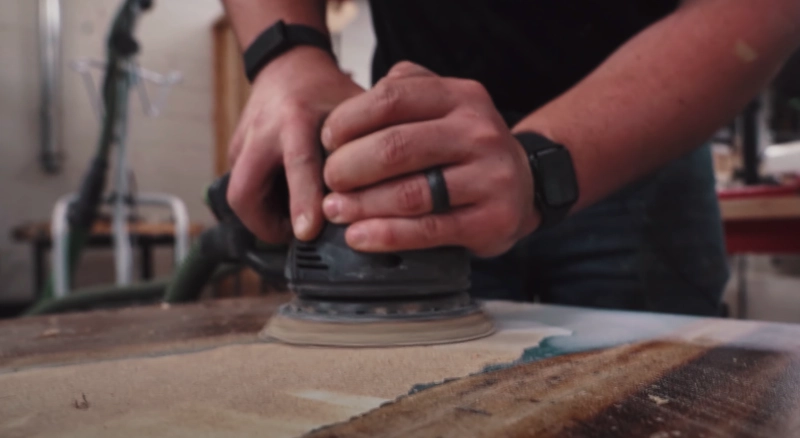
{"x": 525, "y": 52}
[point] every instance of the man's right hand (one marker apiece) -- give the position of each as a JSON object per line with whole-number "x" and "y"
{"x": 279, "y": 131}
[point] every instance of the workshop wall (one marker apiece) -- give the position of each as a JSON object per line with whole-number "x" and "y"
{"x": 356, "y": 46}
{"x": 171, "y": 154}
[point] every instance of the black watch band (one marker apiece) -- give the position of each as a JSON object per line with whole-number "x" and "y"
{"x": 276, "y": 40}
{"x": 555, "y": 181}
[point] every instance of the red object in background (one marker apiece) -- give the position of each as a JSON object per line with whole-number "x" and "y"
{"x": 762, "y": 235}
{"x": 765, "y": 236}
{"x": 762, "y": 191}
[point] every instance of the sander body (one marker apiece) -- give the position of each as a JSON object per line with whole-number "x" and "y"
{"x": 344, "y": 297}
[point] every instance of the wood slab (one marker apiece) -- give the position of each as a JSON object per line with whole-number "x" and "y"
{"x": 548, "y": 371}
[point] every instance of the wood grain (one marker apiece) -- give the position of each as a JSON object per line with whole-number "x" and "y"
{"x": 547, "y": 371}
{"x": 649, "y": 389}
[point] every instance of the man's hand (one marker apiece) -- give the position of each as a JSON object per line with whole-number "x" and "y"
{"x": 383, "y": 140}
{"x": 279, "y": 131}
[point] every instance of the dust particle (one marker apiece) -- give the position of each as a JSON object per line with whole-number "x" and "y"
{"x": 83, "y": 404}
{"x": 50, "y": 332}
{"x": 658, "y": 400}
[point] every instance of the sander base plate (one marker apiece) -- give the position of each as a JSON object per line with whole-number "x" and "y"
{"x": 291, "y": 329}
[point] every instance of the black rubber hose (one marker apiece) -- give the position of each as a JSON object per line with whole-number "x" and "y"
{"x": 85, "y": 299}
{"x": 101, "y": 295}
{"x": 197, "y": 268}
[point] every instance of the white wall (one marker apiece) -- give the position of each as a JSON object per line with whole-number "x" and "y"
{"x": 357, "y": 45}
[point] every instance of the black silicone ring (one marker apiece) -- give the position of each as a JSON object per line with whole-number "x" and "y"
{"x": 439, "y": 195}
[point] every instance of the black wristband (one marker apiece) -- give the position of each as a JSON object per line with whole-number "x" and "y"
{"x": 276, "y": 40}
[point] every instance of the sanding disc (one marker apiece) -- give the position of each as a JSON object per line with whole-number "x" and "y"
{"x": 376, "y": 332}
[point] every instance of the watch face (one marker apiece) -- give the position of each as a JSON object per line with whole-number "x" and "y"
{"x": 557, "y": 177}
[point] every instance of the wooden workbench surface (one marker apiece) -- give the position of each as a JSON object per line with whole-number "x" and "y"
{"x": 199, "y": 370}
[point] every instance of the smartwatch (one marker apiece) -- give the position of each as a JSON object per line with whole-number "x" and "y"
{"x": 555, "y": 181}
{"x": 276, "y": 40}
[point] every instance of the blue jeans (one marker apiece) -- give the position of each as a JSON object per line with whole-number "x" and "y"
{"x": 657, "y": 245}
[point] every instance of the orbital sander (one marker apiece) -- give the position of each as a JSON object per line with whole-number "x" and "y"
{"x": 343, "y": 297}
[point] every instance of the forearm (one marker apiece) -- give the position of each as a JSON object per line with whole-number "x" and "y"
{"x": 250, "y": 17}
{"x": 668, "y": 89}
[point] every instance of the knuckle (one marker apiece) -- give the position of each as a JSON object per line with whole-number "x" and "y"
{"x": 388, "y": 97}
{"x": 411, "y": 196}
{"x": 295, "y": 157}
{"x": 503, "y": 177}
{"x": 403, "y": 66}
{"x": 385, "y": 235}
{"x": 394, "y": 148}
{"x": 472, "y": 88}
{"x": 486, "y": 134}
{"x": 431, "y": 227}
{"x": 353, "y": 207}
{"x": 294, "y": 112}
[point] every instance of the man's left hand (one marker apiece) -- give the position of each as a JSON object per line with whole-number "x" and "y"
{"x": 381, "y": 142}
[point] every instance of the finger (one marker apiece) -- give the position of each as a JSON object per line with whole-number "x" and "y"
{"x": 404, "y": 69}
{"x": 403, "y": 197}
{"x": 250, "y": 192}
{"x": 242, "y": 135}
{"x": 389, "y": 103}
{"x": 303, "y": 163}
{"x": 404, "y": 234}
{"x": 394, "y": 152}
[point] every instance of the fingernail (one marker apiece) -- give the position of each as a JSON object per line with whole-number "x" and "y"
{"x": 326, "y": 137}
{"x": 332, "y": 206}
{"x": 357, "y": 236}
{"x": 302, "y": 225}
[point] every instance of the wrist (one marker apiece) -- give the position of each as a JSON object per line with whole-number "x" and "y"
{"x": 299, "y": 62}
{"x": 278, "y": 39}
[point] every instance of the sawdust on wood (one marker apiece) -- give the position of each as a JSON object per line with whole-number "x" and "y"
{"x": 256, "y": 389}
{"x": 83, "y": 404}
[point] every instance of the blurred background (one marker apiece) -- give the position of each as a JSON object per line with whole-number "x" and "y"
{"x": 182, "y": 109}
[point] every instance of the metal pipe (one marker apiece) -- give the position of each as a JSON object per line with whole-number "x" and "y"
{"x": 50, "y": 67}
{"x": 59, "y": 233}
{"x": 181, "y": 217}
{"x": 122, "y": 242}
